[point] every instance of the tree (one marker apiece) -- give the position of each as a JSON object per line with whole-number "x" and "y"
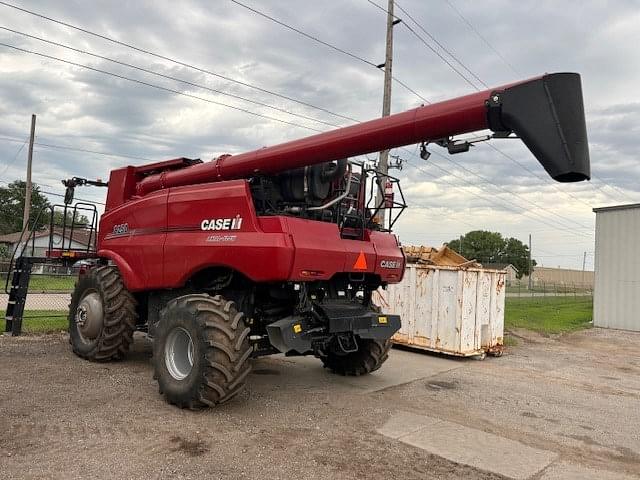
{"x": 4, "y": 252}
{"x": 492, "y": 247}
{"x": 12, "y": 207}
{"x": 79, "y": 221}
{"x": 517, "y": 253}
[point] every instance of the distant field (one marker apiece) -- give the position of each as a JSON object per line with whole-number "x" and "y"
{"x": 550, "y": 288}
{"x": 549, "y": 315}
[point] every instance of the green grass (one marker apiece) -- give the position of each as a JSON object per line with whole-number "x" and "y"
{"x": 549, "y": 315}
{"x": 49, "y": 283}
{"x": 510, "y": 341}
{"x": 43, "y": 321}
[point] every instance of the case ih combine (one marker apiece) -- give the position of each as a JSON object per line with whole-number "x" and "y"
{"x": 275, "y": 250}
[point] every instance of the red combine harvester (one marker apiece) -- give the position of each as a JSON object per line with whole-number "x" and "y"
{"x": 279, "y": 249}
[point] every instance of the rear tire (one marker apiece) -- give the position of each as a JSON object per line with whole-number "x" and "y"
{"x": 201, "y": 351}
{"x": 102, "y": 316}
{"x": 369, "y": 357}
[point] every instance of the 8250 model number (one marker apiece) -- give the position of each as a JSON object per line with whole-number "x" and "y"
{"x": 120, "y": 228}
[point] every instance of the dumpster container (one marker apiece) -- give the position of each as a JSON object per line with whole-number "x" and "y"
{"x": 453, "y": 310}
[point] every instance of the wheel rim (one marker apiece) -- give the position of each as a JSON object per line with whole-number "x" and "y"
{"x": 178, "y": 353}
{"x": 90, "y": 316}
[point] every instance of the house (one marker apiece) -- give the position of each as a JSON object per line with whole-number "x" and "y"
{"x": 83, "y": 239}
{"x": 512, "y": 272}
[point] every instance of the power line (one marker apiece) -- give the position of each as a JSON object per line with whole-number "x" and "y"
{"x": 75, "y": 149}
{"x": 426, "y": 44}
{"x": 620, "y": 191}
{"x": 484, "y": 179}
{"x": 177, "y": 62}
{"x": 152, "y": 85}
{"x": 304, "y": 34}
{"x": 326, "y": 44}
{"x": 566, "y": 228}
{"x": 505, "y": 204}
{"x": 475, "y": 30}
{"x": 11, "y": 162}
{"x": 448, "y": 52}
{"x": 563, "y": 191}
{"x": 169, "y": 77}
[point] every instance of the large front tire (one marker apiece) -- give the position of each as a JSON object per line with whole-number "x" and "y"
{"x": 369, "y": 357}
{"x": 201, "y": 351}
{"x": 102, "y": 316}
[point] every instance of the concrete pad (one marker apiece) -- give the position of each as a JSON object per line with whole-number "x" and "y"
{"x": 401, "y": 367}
{"x": 566, "y": 471}
{"x": 403, "y": 423}
{"x": 469, "y": 446}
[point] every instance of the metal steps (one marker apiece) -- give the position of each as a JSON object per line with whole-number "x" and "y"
{"x": 18, "y": 295}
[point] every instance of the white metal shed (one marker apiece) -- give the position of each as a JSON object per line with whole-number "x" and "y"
{"x": 616, "y": 301}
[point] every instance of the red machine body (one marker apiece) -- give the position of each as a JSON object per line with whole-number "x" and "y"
{"x": 159, "y": 240}
{"x": 166, "y": 221}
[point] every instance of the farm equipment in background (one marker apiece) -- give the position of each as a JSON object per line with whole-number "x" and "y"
{"x": 280, "y": 249}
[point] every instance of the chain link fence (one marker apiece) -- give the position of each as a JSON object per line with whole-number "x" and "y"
{"x": 47, "y": 303}
{"x": 549, "y": 308}
{"x": 548, "y": 289}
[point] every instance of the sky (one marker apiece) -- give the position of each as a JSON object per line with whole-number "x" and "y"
{"x": 119, "y": 122}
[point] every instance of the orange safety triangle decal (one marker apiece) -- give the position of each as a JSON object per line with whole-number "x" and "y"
{"x": 361, "y": 262}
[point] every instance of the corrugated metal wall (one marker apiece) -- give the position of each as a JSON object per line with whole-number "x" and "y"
{"x": 616, "y": 302}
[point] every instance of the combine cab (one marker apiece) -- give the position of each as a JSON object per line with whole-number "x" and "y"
{"x": 279, "y": 250}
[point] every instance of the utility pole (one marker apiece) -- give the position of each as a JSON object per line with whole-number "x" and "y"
{"x": 584, "y": 264}
{"x": 530, "y": 268}
{"x": 27, "y": 193}
{"x": 383, "y": 161}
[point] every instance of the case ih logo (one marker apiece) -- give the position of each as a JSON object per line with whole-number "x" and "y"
{"x": 391, "y": 264}
{"x": 222, "y": 223}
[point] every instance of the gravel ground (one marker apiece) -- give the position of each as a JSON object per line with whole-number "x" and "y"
{"x": 61, "y": 417}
